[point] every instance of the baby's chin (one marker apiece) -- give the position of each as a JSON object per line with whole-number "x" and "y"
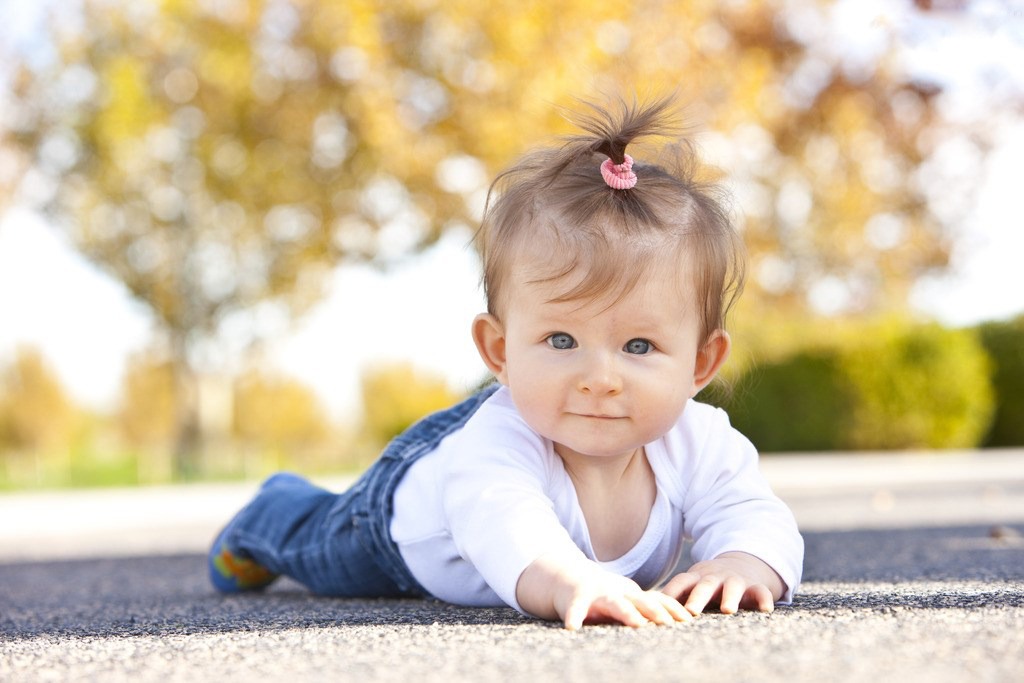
{"x": 595, "y": 451}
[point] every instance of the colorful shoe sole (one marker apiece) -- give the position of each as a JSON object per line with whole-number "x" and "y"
{"x": 232, "y": 574}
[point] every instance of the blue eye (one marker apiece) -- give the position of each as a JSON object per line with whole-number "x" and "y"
{"x": 560, "y": 340}
{"x": 638, "y": 346}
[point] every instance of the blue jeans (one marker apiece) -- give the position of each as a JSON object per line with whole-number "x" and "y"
{"x": 340, "y": 544}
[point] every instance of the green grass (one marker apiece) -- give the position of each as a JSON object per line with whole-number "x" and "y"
{"x": 88, "y": 467}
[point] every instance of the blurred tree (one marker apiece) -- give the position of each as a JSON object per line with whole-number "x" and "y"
{"x": 276, "y": 412}
{"x": 395, "y": 396}
{"x": 220, "y": 157}
{"x": 146, "y": 414}
{"x": 35, "y": 413}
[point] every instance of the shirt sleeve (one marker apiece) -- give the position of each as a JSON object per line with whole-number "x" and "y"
{"x": 728, "y": 506}
{"x": 500, "y": 517}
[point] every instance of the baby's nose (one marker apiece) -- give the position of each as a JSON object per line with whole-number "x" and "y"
{"x": 600, "y": 377}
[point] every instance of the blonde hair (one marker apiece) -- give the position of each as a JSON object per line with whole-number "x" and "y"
{"x": 610, "y": 235}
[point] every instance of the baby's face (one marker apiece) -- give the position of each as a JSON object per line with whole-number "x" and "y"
{"x": 601, "y": 378}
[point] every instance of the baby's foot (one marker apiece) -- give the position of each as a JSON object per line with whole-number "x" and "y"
{"x": 230, "y": 573}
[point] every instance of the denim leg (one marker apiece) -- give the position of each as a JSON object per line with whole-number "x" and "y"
{"x": 340, "y": 544}
{"x": 308, "y": 533}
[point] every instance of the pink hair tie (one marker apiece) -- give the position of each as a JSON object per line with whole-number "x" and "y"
{"x": 619, "y": 176}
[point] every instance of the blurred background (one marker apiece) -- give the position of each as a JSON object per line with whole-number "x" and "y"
{"x": 234, "y": 234}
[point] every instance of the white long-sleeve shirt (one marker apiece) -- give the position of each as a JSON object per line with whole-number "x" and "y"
{"x": 473, "y": 514}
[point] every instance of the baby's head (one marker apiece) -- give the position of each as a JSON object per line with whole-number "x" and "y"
{"x": 552, "y": 217}
{"x": 606, "y": 301}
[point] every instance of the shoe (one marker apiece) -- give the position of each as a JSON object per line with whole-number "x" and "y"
{"x": 230, "y": 573}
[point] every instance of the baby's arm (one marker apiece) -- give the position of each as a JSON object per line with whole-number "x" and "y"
{"x": 575, "y": 590}
{"x": 733, "y": 581}
{"x": 747, "y": 550}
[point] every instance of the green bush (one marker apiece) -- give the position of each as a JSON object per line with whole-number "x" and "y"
{"x": 1004, "y": 342}
{"x": 797, "y": 404}
{"x": 919, "y": 386}
{"x": 891, "y": 385}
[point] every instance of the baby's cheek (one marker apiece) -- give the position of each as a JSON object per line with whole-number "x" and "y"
{"x": 667, "y": 382}
{"x": 668, "y": 399}
{"x": 532, "y": 399}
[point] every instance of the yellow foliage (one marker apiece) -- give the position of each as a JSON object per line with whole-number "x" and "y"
{"x": 128, "y": 114}
{"x": 416, "y": 81}
{"x": 147, "y": 414}
{"x": 396, "y": 396}
{"x": 754, "y": 74}
{"x": 277, "y": 412}
{"x": 35, "y": 413}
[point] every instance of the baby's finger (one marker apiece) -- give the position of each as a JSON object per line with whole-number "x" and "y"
{"x": 616, "y": 608}
{"x": 703, "y": 593}
{"x": 732, "y": 592}
{"x": 680, "y": 585}
{"x": 758, "y": 597}
{"x": 673, "y": 607}
{"x": 576, "y": 613}
{"x": 587, "y": 607}
{"x": 651, "y": 607}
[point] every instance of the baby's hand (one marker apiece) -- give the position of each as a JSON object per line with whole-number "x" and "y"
{"x": 575, "y": 590}
{"x": 607, "y": 597}
{"x": 733, "y": 581}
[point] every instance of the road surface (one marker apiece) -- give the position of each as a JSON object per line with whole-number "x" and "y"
{"x": 914, "y": 571}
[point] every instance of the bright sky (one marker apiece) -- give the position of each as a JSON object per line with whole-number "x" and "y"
{"x": 86, "y": 324}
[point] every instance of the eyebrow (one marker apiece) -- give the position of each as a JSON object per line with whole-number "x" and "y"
{"x": 642, "y": 323}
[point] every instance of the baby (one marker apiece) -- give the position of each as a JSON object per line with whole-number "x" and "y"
{"x": 566, "y": 489}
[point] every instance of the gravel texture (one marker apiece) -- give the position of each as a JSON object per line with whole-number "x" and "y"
{"x": 936, "y": 604}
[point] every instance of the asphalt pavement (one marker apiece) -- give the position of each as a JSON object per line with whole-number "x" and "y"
{"x": 914, "y": 571}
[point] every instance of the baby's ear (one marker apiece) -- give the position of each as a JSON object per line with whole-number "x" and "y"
{"x": 489, "y": 336}
{"x": 710, "y": 358}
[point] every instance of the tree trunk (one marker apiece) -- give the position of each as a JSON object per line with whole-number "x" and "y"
{"x": 188, "y": 439}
